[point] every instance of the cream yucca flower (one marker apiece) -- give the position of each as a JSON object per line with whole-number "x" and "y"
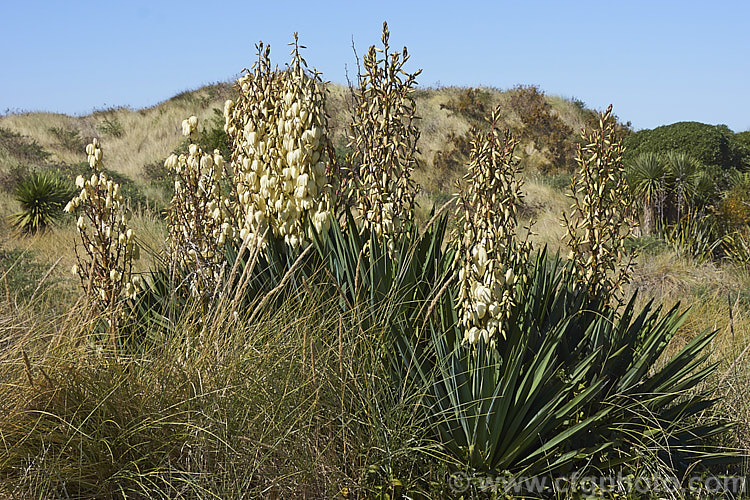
{"x": 190, "y": 126}
{"x": 384, "y": 137}
{"x": 491, "y": 260}
{"x": 94, "y": 155}
{"x": 600, "y": 220}
{"x": 278, "y": 134}
{"x": 199, "y": 216}
{"x": 107, "y": 245}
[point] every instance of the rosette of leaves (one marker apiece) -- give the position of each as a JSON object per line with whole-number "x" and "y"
{"x": 574, "y": 383}
{"x": 383, "y": 137}
{"x": 42, "y": 197}
{"x": 491, "y": 260}
{"x": 199, "y": 215}
{"x": 278, "y": 133}
{"x": 601, "y": 218}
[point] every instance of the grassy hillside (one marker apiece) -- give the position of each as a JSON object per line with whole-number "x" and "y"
{"x": 135, "y": 140}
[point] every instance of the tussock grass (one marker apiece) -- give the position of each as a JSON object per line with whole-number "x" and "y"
{"x": 55, "y": 245}
{"x": 294, "y": 404}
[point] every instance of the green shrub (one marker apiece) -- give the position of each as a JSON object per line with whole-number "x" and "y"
{"x": 734, "y": 208}
{"x": 211, "y": 137}
{"x": 42, "y": 197}
{"x": 472, "y": 104}
{"x": 70, "y": 140}
{"x": 560, "y": 181}
{"x": 743, "y": 138}
{"x": 22, "y": 148}
{"x": 214, "y": 136}
{"x": 10, "y": 180}
{"x": 709, "y": 144}
{"x": 129, "y": 188}
{"x": 649, "y": 244}
{"x": 112, "y": 127}
{"x": 449, "y": 163}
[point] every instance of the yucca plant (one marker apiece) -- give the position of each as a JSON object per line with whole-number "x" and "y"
{"x": 572, "y": 379}
{"x": 601, "y": 219}
{"x": 42, "y": 197}
{"x": 571, "y": 370}
{"x": 572, "y": 384}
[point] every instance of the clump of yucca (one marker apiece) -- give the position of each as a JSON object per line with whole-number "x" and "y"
{"x": 42, "y": 197}
{"x": 491, "y": 259}
{"x": 107, "y": 246}
{"x": 383, "y": 137}
{"x": 278, "y": 133}
{"x": 600, "y": 220}
{"x": 199, "y": 216}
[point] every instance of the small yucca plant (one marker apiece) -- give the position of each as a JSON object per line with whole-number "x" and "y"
{"x": 42, "y": 197}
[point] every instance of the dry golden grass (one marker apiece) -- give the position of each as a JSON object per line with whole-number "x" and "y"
{"x": 718, "y": 298}
{"x": 149, "y": 134}
{"x": 436, "y": 124}
{"x": 568, "y": 112}
{"x": 545, "y": 205}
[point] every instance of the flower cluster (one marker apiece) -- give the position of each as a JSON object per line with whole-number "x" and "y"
{"x": 600, "y": 222}
{"x": 94, "y": 154}
{"x": 491, "y": 260}
{"x": 278, "y": 134}
{"x": 107, "y": 245}
{"x": 383, "y": 138}
{"x": 190, "y": 127}
{"x": 199, "y": 216}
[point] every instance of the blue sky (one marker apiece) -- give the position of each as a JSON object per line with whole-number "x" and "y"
{"x": 657, "y": 62}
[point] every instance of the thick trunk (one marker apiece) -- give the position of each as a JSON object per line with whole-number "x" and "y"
{"x": 648, "y": 218}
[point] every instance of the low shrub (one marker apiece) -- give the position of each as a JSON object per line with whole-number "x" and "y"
{"x": 22, "y": 148}
{"x": 70, "y": 140}
{"x": 112, "y": 127}
{"x": 542, "y": 127}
